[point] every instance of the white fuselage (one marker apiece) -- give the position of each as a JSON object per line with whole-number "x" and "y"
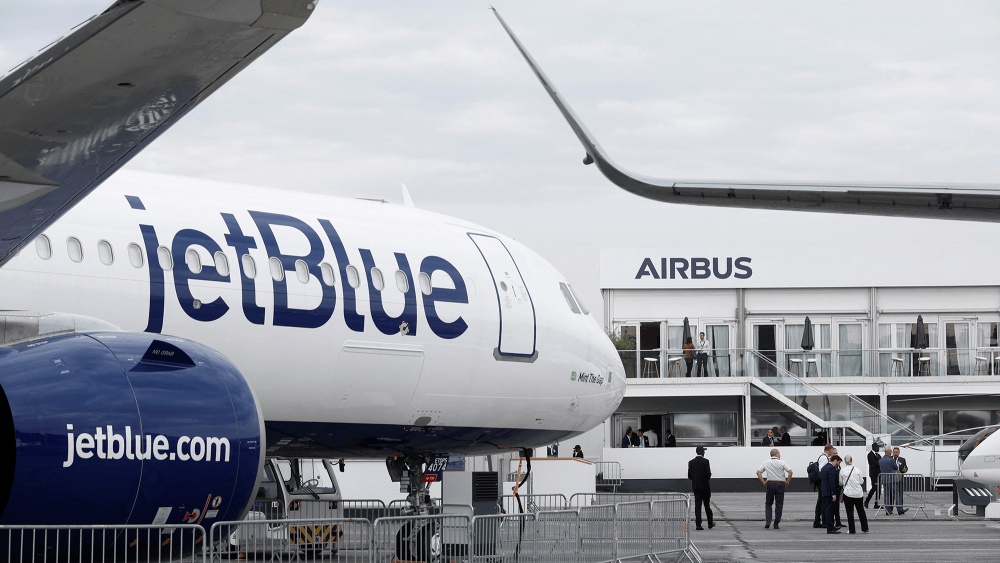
{"x": 509, "y": 353}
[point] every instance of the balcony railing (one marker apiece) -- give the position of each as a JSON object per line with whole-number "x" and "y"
{"x": 884, "y": 362}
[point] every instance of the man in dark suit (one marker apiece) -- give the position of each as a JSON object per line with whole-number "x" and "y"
{"x": 627, "y": 438}
{"x": 769, "y": 441}
{"x": 699, "y": 472}
{"x": 668, "y": 439}
{"x": 873, "y": 472}
{"x": 830, "y": 487}
{"x": 786, "y": 440}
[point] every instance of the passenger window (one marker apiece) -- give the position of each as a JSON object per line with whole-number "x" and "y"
{"x": 579, "y": 302}
{"x": 377, "y": 282}
{"x": 569, "y": 298}
{"x": 402, "y": 283}
{"x": 75, "y": 249}
{"x": 105, "y": 252}
{"x": 135, "y": 255}
{"x": 425, "y": 283}
{"x": 43, "y": 247}
{"x": 353, "y": 279}
{"x": 165, "y": 258}
{"x": 329, "y": 277}
{"x": 221, "y": 263}
{"x": 277, "y": 269}
{"x": 193, "y": 260}
{"x": 302, "y": 271}
{"x": 249, "y": 266}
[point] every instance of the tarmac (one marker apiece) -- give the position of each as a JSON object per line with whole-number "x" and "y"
{"x": 918, "y": 536}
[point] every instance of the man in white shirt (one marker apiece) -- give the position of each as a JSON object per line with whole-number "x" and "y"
{"x": 775, "y": 474}
{"x": 703, "y": 348}
{"x": 653, "y": 442}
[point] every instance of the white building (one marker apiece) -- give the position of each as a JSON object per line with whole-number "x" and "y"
{"x": 752, "y": 303}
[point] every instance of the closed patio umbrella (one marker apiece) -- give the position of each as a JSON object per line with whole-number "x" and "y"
{"x": 808, "y": 342}
{"x": 922, "y": 340}
{"x": 687, "y": 332}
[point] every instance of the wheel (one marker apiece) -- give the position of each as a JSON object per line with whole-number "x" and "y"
{"x": 416, "y": 542}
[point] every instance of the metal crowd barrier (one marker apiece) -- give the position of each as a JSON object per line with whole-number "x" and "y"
{"x": 609, "y": 475}
{"x": 363, "y": 509}
{"x": 503, "y": 538}
{"x": 165, "y": 544}
{"x": 534, "y": 503}
{"x": 904, "y": 490}
{"x": 590, "y": 534}
{"x": 557, "y": 536}
{"x": 591, "y": 499}
{"x": 440, "y": 537}
{"x": 303, "y": 539}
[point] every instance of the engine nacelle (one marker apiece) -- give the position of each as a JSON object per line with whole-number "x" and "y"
{"x": 125, "y": 428}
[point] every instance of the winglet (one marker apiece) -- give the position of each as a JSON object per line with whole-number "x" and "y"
{"x": 407, "y": 200}
{"x": 594, "y": 150}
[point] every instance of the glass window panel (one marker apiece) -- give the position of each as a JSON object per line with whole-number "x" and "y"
{"x": 884, "y": 335}
{"x": 705, "y": 425}
{"x": 955, "y": 421}
{"x": 956, "y": 340}
{"x": 675, "y": 336}
{"x": 987, "y": 334}
{"x": 849, "y": 342}
{"x": 904, "y": 418}
{"x": 793, "y": 337}
{"x": 649, "y": 336}
{"x": 718, "y": 364}
{"x": 824, "y": 340}
{"x": 931, "y": 424}
{"x": 626, "y": 349}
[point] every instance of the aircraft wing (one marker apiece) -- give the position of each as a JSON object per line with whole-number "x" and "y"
{"x": 83, "y": 106}
{"x": 968, "y": 202}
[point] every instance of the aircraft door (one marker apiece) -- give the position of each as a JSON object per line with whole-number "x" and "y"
{"x": 517, "y": 312}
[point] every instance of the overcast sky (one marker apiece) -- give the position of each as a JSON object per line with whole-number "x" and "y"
{"x": 369, "y": 94}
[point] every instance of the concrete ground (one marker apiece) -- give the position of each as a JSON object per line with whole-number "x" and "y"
{"x": 740, "y": 535}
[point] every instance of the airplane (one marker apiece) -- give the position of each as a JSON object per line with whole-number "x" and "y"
{"x": 204, "y": 326}
{"x": 980, "y": 457}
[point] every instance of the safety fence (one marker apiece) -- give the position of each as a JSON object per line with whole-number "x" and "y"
{"x": 164, "y": 544}
{"x": 590, "y": 499}
{"x": 609, "y": 475}
{"x": 636, "y": 530}
{"x": 904, "y": 491}
{"x": 534, "y": 503}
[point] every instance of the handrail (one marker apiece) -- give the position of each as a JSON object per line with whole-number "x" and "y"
{"x": 854, "y": 400}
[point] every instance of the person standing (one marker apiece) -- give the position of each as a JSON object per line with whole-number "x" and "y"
{"x": 890, "y": 481}
{"x": 668, "y": 439}
{"x": 873, "y": 473}
{"x": 785, "y": 440}
{"x": 703, "y": 347}
{"x": 643, "y": 440}
{"x": 819, "y": 521}
{"x": 577, "y": 452}
{"x": 627, "y": 438}
{"x": 775, "y": 474}
{"x": 852, "y": 484}
{"x": 689, "y": 355}
{"x": 653, "y": 440}
{"x": 700, "y": 472}
{"x": 769, "y": 441}
{"x": 829, "y": 487}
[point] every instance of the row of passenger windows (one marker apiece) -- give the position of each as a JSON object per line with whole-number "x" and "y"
{"x": 192, "y": 259}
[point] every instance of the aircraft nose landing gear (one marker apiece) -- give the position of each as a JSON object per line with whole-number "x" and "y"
{"x": 416, "y": 540}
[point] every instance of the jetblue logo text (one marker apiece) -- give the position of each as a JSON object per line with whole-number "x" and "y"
{"x": 696, "y": 268}
{"x": 110, "y": 445}
{"x": 314, "y": 261}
